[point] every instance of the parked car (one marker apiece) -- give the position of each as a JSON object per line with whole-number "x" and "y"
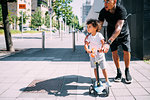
{"x": 26, "y": 29}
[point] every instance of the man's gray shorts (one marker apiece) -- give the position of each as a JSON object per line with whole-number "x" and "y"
{"x": 102, "y": 61}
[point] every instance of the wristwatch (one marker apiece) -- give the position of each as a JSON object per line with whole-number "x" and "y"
{"x": 109, "y": 42}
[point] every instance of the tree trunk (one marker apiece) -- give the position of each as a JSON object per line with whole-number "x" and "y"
{"x": 8, "y": 39}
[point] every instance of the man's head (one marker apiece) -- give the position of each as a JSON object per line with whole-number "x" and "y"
{"x": 110, "y": 4}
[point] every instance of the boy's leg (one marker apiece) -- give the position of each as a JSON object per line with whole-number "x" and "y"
{"x": 95, "y": 72}
{"x": 105, "y": 75}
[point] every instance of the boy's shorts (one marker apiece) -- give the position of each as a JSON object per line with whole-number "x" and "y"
{"x": 123, "y": 41}
{"x": 100, "y": 58}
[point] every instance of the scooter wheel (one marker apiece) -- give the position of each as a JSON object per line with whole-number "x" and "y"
{"x": 91, "y": 89}
{"x": 95, "y": 93}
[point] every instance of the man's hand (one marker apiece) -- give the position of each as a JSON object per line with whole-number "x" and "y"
{"x": 106, "y": 47}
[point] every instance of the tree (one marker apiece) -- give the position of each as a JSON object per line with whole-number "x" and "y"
{"x": 47, "y": 20}
{"x": 62, "y": 9}
{"x": 8, "y": 39}
{"x": 13, "y": 20}
{"x": 36, "y": 19}
{"x": 25, "y": 17}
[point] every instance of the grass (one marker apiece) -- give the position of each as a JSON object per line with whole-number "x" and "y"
{"x": 147, "y": 61}
{"x": 17, "y": 31}
{"x": 31, "y": 31}
{"x": 12, "y": 31}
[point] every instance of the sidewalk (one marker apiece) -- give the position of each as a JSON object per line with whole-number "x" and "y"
{"x": 58, "y": 73}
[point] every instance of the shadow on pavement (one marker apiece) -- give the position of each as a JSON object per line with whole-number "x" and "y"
{"x": 55, "y": 55}
{"x": 49, "y": 54}
{"x": 60, "y": 86}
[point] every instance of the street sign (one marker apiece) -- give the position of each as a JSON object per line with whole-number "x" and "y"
{"x": 22, "y": 6}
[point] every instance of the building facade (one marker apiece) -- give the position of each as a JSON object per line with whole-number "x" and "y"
{"x": 13, "y": 9}
{"x": 31, "y": 7}
{"x": 139, "y": 23}
{"x": 85, "y": 10}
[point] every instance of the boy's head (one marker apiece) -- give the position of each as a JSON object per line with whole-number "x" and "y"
{"x": 93, "y": 25}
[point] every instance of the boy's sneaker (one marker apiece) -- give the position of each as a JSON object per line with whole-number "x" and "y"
{"x": 108, "y": 84}
{"x": 118, "y": 77}
{"x": 128, "y": 78}
{"x": 101, "y": 84}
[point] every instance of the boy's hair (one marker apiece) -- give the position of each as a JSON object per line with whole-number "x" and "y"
{"x": 95, "y": 23}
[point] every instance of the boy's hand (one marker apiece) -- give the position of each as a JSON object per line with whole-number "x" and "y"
{"x": 88, "y": 51}
{"x": 101, "y": 50}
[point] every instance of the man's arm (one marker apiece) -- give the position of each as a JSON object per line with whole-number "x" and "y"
{"x": 101, "y": 25}
{"x": 117, "y": 31}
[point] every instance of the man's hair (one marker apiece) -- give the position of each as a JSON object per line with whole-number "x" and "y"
{"x": 95, "y": 23}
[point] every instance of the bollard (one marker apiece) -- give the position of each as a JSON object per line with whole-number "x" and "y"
{"x": 73, "y": 37}
{"x": 43, "y": 40}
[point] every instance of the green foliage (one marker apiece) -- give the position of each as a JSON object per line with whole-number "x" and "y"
{"x": 80, "y": 27}
{"x": 47, "y": 20}
{"x": 25, "y": 17}
{"x": 75, "y": 21}
{"x": 1, "y": 18}
{"x": 36, "y": 19}
{"x": 13, "y": 19}
{"x": 62, "y": 8}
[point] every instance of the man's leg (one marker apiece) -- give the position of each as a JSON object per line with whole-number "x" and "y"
{"x": 126, "y": 58}
{"x": 127, "y": 63}
{"x": 116, "y": 61}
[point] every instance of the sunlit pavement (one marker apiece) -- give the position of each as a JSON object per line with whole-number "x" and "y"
{"x": 58, "y": 73}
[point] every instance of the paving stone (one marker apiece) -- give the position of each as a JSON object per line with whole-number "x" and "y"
{"x": 58, "y": 73}
{"x": 142, "y": 97}
{"x": 25, "y": 99}
{"x": 125, "y": 98}
{"x": 105, "y": 98}
{"x": 138, "y": 91}
{"x": 121, "y": 92}
{"x": 7, "y": 98}
{"x": 145, "y": 84}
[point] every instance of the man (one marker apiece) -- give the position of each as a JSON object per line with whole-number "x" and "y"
{"x": 118, "y": 34}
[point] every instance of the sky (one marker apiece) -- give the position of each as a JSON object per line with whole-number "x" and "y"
{"x": 77, "y": 4}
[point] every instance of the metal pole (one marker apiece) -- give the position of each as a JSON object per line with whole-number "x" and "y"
{"x": 43, "y": 40}
{"x": 77, "y": 35}
{"x": 50, "y": 26}
{"x": 22, "y": 24}
{"x": 73, "y": 37}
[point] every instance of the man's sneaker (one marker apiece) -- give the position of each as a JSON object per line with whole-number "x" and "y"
{"x": 118, "y": 77}
{"x": 108, "y": 84}
{"x": 101, "y": 84}
{"x": 128, "y": 78}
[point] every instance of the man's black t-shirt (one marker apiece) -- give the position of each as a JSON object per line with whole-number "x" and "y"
{"x": 120, "y": 14}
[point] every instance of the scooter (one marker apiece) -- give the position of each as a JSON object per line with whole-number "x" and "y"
{"x": 100, "y": 89}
